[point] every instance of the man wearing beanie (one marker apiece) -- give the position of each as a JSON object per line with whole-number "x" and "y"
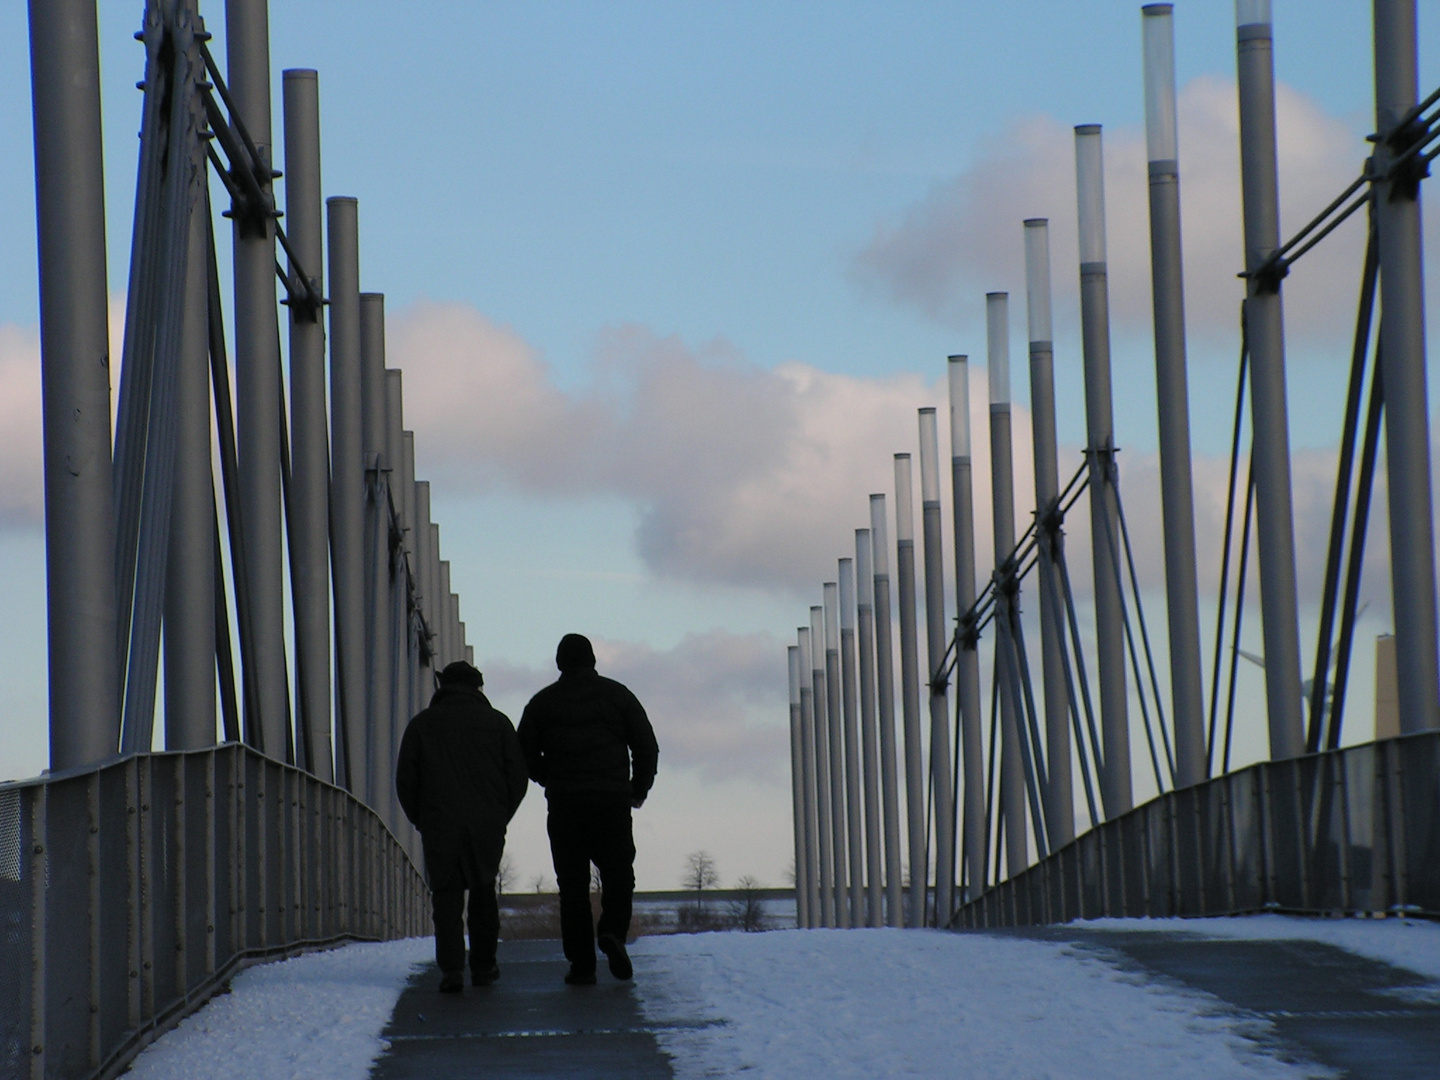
{"x": 460, "y": 777}
{"x": 588, "y": 743}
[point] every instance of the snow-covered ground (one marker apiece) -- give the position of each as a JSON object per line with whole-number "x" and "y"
{"x": 314, "y": 1017}
{"x": 907, "y": 1003}
{"x": 1407, "y": 943}
{"x": 797, "y": 1004}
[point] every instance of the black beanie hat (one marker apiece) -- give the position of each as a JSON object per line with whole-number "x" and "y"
{"x": 459, "y": 671}
{"x": 574, "y": 653}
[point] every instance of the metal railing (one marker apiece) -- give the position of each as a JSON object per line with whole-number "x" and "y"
{"x": 130, "y": 892}
{"x": 1341, "y": 832}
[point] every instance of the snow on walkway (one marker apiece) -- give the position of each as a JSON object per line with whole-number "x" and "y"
{"x": 314, "y": 1017}
{"x": 892, "y": 1003}
{"x": 1413, "y": 944}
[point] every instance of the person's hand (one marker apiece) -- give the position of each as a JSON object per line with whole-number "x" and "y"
{"x": 637, "y": 803}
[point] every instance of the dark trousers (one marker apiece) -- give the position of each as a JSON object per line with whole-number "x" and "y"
{"x": 585, "y": 831}
{"x": 448, "y": 908}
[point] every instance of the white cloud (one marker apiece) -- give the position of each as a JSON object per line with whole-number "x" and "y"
{"x": 966, "y": 235}
{"x": 717, "y": 700}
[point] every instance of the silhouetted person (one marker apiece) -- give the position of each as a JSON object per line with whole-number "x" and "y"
{"x": 589, "y": 744}
{"x": 460, "y": 776}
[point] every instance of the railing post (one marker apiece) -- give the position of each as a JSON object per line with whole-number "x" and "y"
{"x": 1402, "y": 354}
{"x": 308, "y": 519}
{"x": 35, "y": 865}
{"x": 257, "y": 372}
{"x": 1172, "y": 396}
{"x": 75, "y": 375}
{"x": 1264, "y": 321}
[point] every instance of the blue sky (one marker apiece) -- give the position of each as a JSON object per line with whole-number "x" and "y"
{"x": 660, "y": 220}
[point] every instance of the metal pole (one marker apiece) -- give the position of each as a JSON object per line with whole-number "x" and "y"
{"x": 379, "y": 706}
{"x": 813, "y": 860}
{"x": 190, "y": 568}
{"x": 411, "y": 565}
{"x": 75, "y": 383}
{"x": 826, "y": 820}
{"x": 885, "y": 711}
{"x": 347, "y": 490}
{"x": 1002, "y": 496}
{"x": 309, "y": 521}
{"x": 1402, "y": 333}
{"x": 1059, "y": 793}
{"x": 967, "y": 664}
{"x": 1100, "y": 453}
{"x": 1172, "y": 396}
{"x": 937, "y": 638}
{"x": 797, "y": 790}
{"x": 1264, "y": 321}
{"x": 401, "y": 680}
{"x": 257, "y": 372}
{"x": 839, "y": 774}
{"x": 853, "y": 768}
{"x": 448, "y": 651}
{"x": 425, "y": 562}
{"x": 865, "y": 612}
{"x": 910, "y": 689}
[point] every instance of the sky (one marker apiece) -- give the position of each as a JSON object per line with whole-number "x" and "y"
{"x": 669, "y": 282}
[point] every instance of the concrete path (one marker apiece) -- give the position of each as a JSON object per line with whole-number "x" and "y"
{"x": 1364, "y": 1018}
{"x": 528, "y": 1024}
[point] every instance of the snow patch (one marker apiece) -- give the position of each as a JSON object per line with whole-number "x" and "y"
{"x": 914, "y": 1003}
{"x": 313, "y": 1017}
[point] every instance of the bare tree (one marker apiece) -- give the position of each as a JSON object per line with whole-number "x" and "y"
{"x": 700, "y": 873}
{"x": 747, "y": 911}
{"x": 504, "y": 876}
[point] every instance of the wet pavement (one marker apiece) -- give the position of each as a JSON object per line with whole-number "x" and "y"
{"x": 1311, "y": 1002}
{"x": 527, "y": 1024}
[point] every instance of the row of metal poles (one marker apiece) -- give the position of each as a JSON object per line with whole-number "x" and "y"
{"x": 850, "y": 862}
{"x": 321, "y": 493}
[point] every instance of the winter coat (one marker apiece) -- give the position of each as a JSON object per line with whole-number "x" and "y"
{"x": 586, "y": 735}
{"x": 460, "y": 776}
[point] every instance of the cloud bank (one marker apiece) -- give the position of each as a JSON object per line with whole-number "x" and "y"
{"x": 965, "y": 236}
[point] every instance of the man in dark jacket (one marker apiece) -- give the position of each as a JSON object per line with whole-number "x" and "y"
{"x": 460, "y": 777}
{"x": 589, "y": 744}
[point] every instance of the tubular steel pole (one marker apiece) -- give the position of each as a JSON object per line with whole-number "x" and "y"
{"x": 190, "y": 568}
{"x": 1002, "y": 495}
{"x": 937, "y": 639}
{"x": 257, "y": 372}
{"x": 309, "y": 520}
{"x": 75, "y": 383}
{"x": 910, "y": 689}
{"x": 447, "y": 615}
{"x": 885, "y": 711}
{"x": 814, "y": 906}
{"x": 1402, "y": 332}
{"x": 1100, "y": 453}
{"x": 400, "y": 678}
{"x": 853, "y": 778}
{"x": 410, "y": 563}
{"x": 424, "y": 563}
{"x": 797, "y": 789}
{"x": 967, "y": 663}
{"x": 839, "y": 779}
{"x": 827, "y": 822}
{"x": 1265, "y": 327}
{"x": 1059, "y": 792}
{"x": 377, "y": 533}
{"x": 1172, "y": 396}
{"x": 347, "y": 492}
{"x": 865, "y": 615}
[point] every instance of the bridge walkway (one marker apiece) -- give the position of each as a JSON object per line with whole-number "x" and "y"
{"x": 529, "y": 1024}
{"x": 1314, "y": 1002}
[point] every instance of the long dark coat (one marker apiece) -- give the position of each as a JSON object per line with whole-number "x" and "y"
{"x": 460, "y": 777}
{"x": 586, "y": 735}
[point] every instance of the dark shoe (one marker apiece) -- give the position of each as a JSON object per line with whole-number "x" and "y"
{"x": 452, "y": 982}
{"x": 576, "y": 977}
{"x": 614, "y": 950}
{"x": 485, "y": 976}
